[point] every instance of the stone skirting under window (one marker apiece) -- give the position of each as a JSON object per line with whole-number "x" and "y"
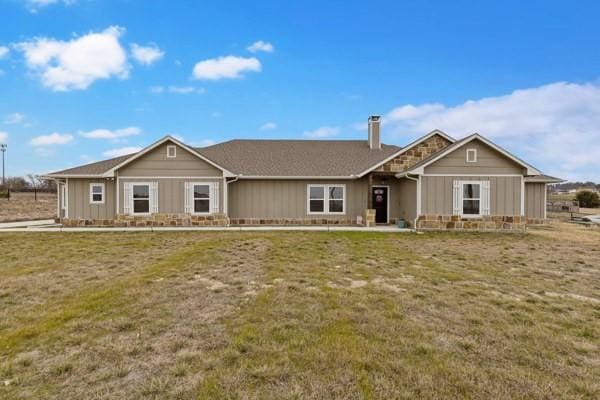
{"x": 151, "y": 220}
{"x": 457, "y": 223}
{"x": 291, "y": 221}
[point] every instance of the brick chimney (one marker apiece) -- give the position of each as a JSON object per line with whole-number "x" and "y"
{"x": 374, "y": 132}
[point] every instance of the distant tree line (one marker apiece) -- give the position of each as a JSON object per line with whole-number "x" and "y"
{"x": 576, "y": 185}
{"x": 28, "y": 183}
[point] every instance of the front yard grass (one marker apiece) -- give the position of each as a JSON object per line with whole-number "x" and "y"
{"x": 300, "y": 315}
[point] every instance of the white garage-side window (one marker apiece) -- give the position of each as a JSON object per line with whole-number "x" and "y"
{"x": 96, "y": 193}
{"x": 326, "y": 199}
{"x": 471, "y": 198}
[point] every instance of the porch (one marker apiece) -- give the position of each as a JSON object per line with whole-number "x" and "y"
{"x": 390, "y": 199}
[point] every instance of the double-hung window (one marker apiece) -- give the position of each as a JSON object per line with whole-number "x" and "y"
{"x": 471, "y": 202}
{"x": 96, "y": 193}
{"x": 471, "y": 198}
{"x": 201, "y": 195}
{"x": 141, "y": 198}
{"x": 326, "y": 199}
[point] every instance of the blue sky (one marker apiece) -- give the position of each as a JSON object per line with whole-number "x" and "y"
{"x": 85, "y": 79}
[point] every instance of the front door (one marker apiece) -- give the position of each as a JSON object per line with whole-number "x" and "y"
{"x": 380, "y": 204}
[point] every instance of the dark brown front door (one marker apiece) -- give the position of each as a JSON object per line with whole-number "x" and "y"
{"x": 380, "y": 204}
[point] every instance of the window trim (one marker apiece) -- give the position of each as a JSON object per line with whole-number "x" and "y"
{"x": 326, "y": 199}
{"x": 132, "y": 199}
{"x": 474, "y": 152}
{"x": 462, "y": 199}
{"x": 210, "y": 197}
{"x": 103, "y": 186}
{"x": 174, "y": 151}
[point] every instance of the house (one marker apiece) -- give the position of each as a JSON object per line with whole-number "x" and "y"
{"x": 436, "y": 182}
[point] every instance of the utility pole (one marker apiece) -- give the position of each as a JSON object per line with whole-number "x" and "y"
{"x": 3, "y": 150}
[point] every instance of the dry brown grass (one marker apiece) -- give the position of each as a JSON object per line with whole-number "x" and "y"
{"x": 300, "y": 315}
{"x": 22, "y": 206}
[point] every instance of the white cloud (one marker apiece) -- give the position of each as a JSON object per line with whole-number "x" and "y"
{"x": 186, "y": 90}
{"x": 3, "y": 137}
{"x": 14, "y": 118}
{"x": 322, "y": 132}
{"x": 35, "y": 5}
{"x": 52, "y": 139}
{"x": 177, "y": 90}
{"x": 228, "y": 67}
{"x": 146, "y": 55}
{"x": 121, "y": 151}
{"x": 260, "y": 46}
{"x": 556, "y": 127}
{"x": 108, "y": 134}
{"x": 268, "y": 126}
{"x": 77, "y": 63}
{"x": 4, "y": 51}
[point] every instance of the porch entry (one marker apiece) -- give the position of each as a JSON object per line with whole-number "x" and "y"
{"x": 380, "y": 196}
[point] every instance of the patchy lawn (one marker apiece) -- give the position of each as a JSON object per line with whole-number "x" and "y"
{"x": 23, "y": 206}
{"x": 300, "y": 315}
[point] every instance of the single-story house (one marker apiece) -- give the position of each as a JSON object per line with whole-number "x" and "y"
{"x": 436, "y": 182}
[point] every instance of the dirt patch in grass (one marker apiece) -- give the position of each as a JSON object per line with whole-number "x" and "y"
{"x": 23, "y": 206}
{"x": 300, "y": 315}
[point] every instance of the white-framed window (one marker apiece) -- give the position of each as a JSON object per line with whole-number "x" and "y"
{"x": 471, "y": 198}
{"x": 171, "y": 151}
{"x": 96, "y": 193}
{"x": 201, "y": 197}
{"x": 140, "y": 198}
{"x": 471, "y": 155}
{"x": 471, "y": 201}
{"x": 326, "y": 199}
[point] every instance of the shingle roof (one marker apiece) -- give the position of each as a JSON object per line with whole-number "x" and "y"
{"x": 285, "y": 158}
{"x": 296, "y": 158}
{"x": 95, "y": 168}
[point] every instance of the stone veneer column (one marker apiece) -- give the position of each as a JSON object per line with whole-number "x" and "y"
{"x": 369, "y": 217}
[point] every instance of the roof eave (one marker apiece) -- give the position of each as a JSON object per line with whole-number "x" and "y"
{"x": 53, "y": 176}
{"x": 296, "y": 177}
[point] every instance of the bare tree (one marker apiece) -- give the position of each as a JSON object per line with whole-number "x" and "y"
{"x": 33, "y": 181}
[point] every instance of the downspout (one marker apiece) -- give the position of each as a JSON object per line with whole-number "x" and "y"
{"x": 418, "y": 197}
{"x": 227, "y": 194}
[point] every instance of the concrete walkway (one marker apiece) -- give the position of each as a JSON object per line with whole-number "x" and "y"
{"x": 58, "y": 228}
{"x": 27, "y": 224}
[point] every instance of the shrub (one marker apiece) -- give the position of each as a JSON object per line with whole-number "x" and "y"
{"x": 588, "y": 199}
